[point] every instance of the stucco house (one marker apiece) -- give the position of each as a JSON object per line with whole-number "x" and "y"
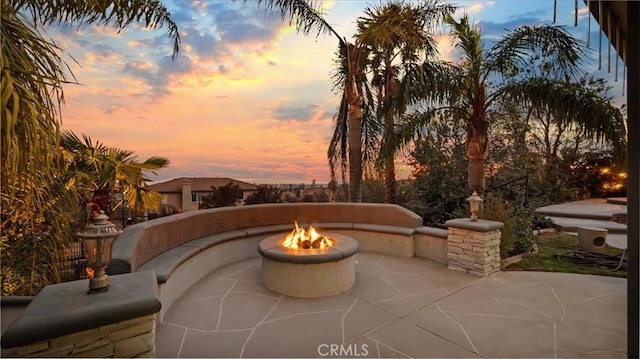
{"x": 184, "y": 193}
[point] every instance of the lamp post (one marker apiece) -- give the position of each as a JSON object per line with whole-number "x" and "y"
{"x": 98, "y": 238}
{"x": 474, "y": 205}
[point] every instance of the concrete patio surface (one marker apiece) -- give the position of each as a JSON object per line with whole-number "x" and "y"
{"x": 400, "y": 307}
{"x": 594, "y": 213}
{"x": 595, "y": 208}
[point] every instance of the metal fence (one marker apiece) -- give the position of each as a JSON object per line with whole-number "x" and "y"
{"x": 74, "y": 263}
{"x": 515, "y": 190}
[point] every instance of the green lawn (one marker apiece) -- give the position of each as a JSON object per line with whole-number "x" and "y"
{"x": 550, "y": 244}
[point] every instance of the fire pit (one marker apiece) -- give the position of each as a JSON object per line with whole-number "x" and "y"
{"x": 307, "y": 264}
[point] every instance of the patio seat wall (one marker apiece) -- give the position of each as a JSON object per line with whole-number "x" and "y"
{"x": 183, "y": 248}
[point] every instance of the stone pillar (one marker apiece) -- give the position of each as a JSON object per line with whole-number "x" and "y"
{"x": 186, "y": 196}
{"x": 65, "y": 321}
{"x": 474, "y": 246}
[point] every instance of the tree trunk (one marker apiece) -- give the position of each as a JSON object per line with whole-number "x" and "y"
{"x": 477, "y": 150}
{"x": 390, "y": 181}
{"x": 355, "y": 102}
{"x": 355, "y": 153}
{"x": 389, "y": 164}
{"x": 475, "y": 171}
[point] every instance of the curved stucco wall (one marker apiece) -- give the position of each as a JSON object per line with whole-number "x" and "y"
{"x": 141, "y": 242}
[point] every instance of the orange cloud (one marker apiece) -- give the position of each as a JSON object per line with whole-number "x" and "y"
{"x": 445, "y": 47}
{"x": 473, "y": 8}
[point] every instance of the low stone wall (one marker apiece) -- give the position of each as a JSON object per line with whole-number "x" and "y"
{"x": 133, "y": 338}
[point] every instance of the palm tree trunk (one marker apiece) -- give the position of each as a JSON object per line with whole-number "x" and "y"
{"x": 390, "y": 181}
{"x": 355, "y": 153}
{"x": 355, "y": 115}
{"x": 475, "y": 171}
{"x": 477, "y": 151}
{"x": 389, "y": 164}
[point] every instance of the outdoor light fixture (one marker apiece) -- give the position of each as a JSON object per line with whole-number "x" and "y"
{"x": 98, "y": 238}
{"x": 474, "y": 205}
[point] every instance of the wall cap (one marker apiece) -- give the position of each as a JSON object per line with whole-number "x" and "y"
{"x": 481, "y": 225}
{"x": 66, "y": 308}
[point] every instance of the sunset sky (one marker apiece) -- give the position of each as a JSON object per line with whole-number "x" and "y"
{"x": 247, "y": 97}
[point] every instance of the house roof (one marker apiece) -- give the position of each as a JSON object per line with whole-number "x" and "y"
{"x": 199, "y": 184}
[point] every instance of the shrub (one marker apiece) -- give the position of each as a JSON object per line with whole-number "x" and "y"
{"x": 539, "y": 221}
{"x": 265, "y": 194}
{"x": 373, "y": 190}
{"x": 544, "y": 193}
{"x": 517, "y": 236}
{"x": 222, "y": 196}
{"x": 439, "y": 168}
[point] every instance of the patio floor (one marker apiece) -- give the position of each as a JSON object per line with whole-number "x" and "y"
{"x": 401, "y": 307}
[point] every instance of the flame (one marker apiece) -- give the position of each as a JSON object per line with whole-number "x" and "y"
{"x": 89, "y": 272}
{"x": 300, "y": 238}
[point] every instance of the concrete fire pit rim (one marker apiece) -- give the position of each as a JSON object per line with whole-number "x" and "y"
{"x": 343, "y": 248}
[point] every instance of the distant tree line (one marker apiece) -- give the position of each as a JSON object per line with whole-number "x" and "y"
{"x": 231, "y": 195}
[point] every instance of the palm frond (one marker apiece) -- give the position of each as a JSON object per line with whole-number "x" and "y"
{"x": 432, "y": 83}
{"x": 404, "y": 26}
{"x": 338, "y": 146}
{"x": 141, "y": 198}
{"x": 372, "y": 129}
{"x": 116, "y": 13}
{"x": 552, "y": 43}
{"x": 468, "y": 38}
{"x": 570, "y": 102}
{"x": 434, "y": 13}
{"x": 305, "y": 15}
{"x": 32, "y": 78}
{"x": 340, "y": 70}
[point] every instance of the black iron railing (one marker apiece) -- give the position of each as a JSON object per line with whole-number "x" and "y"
{"x": 74, "y": 263}
{"x": 515, "y": 190}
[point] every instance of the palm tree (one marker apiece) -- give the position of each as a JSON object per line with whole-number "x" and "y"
{"x": 351, "y": 125}
{"x": 355, "y": 128}
{"x": 476, "y": 80}
{"x": 96, "y": 171}
{"x": 33, "y": 73}
{"x": 399, "y": 37}
{"x": 351, "y": 128}
{"x": 34, "y": 202}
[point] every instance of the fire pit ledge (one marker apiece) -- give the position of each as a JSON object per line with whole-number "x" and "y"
{"x": 343, "y": 248}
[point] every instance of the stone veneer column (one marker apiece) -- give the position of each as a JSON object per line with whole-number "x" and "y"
{"x": 474, "y": 246}
{"x": 65, "y": 321}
